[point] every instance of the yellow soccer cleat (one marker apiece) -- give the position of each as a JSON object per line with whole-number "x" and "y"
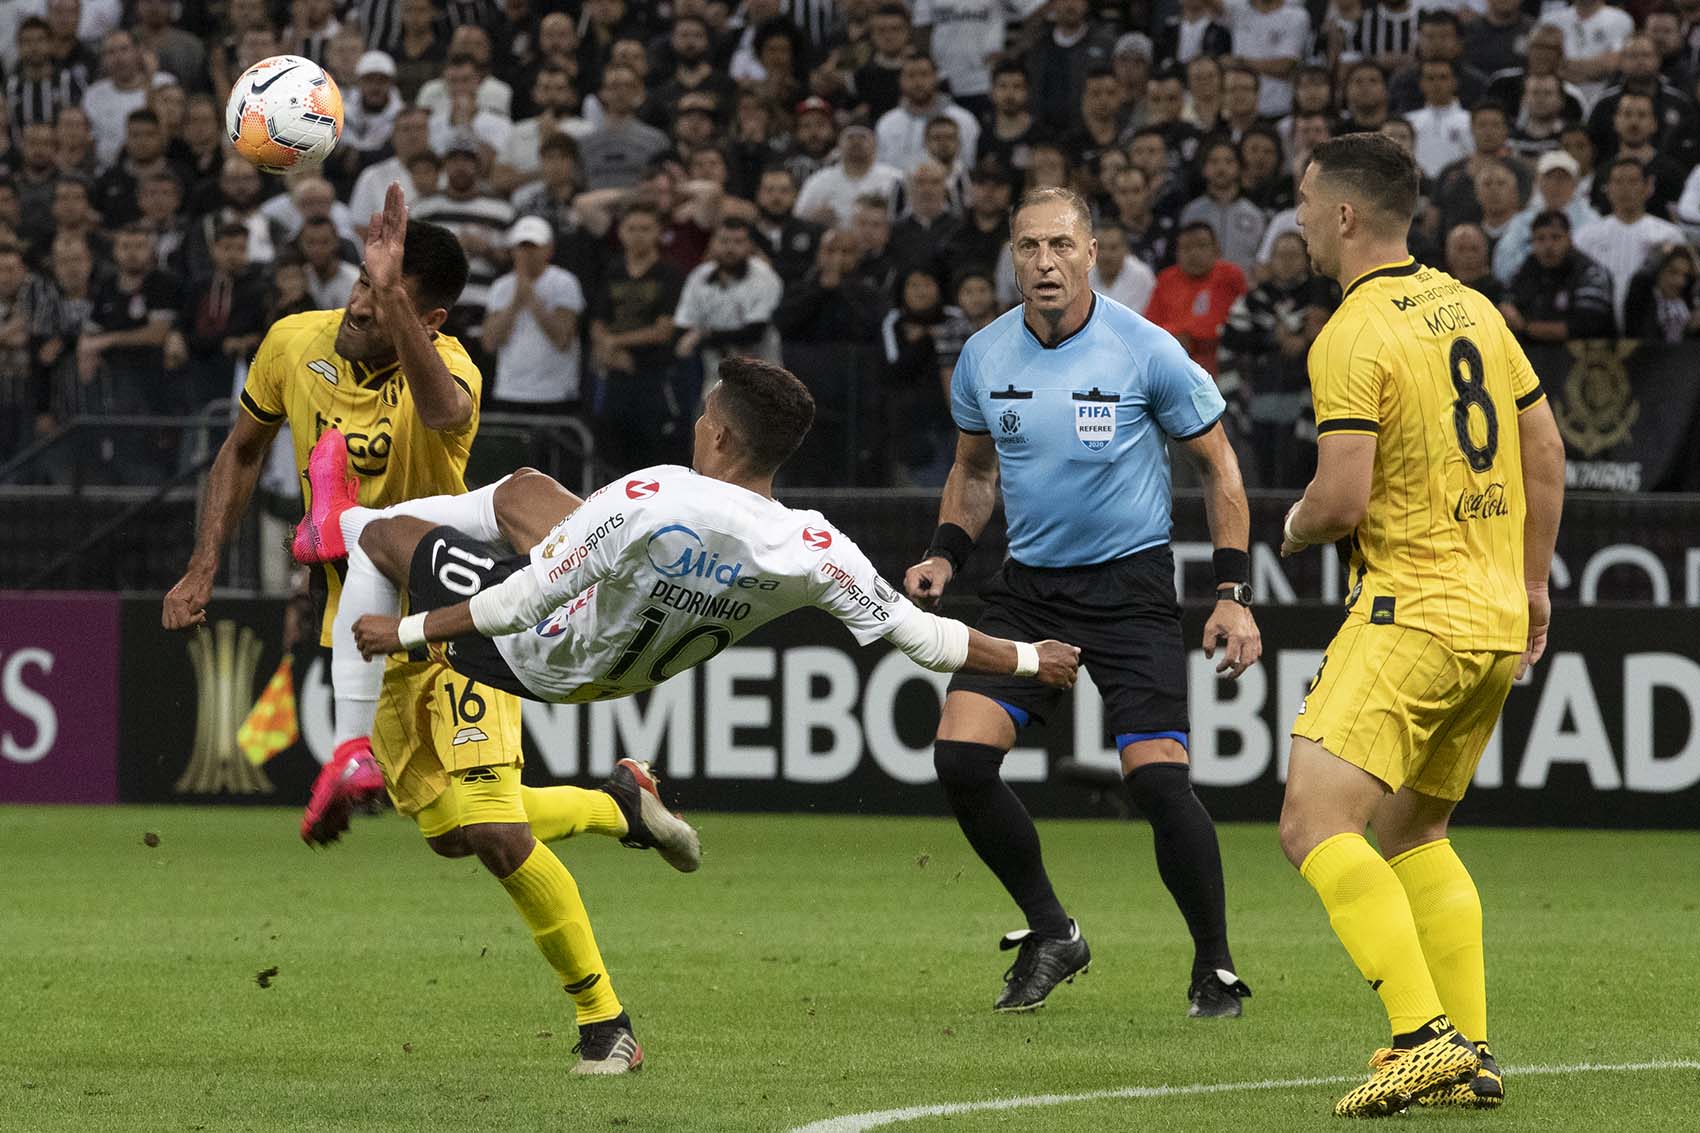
{"x": 1403, "y": 1076}
{"x": 1485, "y": 1091}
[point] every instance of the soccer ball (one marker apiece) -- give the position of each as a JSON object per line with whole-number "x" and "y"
{"x": 284, "y": 113}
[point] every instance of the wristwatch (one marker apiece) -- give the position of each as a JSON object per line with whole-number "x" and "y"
{"x": 1235, "y": 592}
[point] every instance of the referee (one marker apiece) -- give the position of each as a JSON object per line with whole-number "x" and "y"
{"x": 1073, "y": 396}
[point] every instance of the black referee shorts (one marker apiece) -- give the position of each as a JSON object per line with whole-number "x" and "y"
{"x": 1123, "y": 616}
{"x": 448, "y": 568}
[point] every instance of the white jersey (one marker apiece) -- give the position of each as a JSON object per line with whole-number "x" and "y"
{"x": 661, "y": 570}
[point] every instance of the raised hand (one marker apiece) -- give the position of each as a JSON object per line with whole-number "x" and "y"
{"x": 384, "y": 240}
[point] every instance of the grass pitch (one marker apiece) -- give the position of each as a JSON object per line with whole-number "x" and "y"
{"x": 814, "y": 967}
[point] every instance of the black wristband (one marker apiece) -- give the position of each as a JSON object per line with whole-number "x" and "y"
{"x": 952, "y": 544}
{"x": 1232, "y": 565}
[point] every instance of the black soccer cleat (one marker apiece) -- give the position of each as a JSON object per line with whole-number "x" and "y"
{"x": 608, "y": 1047}
{"x": 1216, "y": 995}
{"x": 649, "y": 824}
{"x": 1042, "y": 963}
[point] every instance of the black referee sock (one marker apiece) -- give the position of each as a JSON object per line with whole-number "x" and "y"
{"x": 1000, "y": 830}
{"x": 1188, "y": 858}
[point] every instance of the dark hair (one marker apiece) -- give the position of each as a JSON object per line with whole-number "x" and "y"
{"x": 942, "y": 120}
{"x": 1373, "y": 169}
{"x": 318, "y": 222}
{"x": 1241, "y": 69}
{"x": 1651, "y": 101}
{"x": 1102, "y": 71}
{"x": 1147, "y": 132}
{"x": 460, "y": 58}
{"x": 648, "y": 208}
{"x": 767, "y": 406}
{"x": 1551, "y": 218}
{"x": 1196, "y": 226}
{"x": 1011, "y": 66}
{"x": 34, "y": 23}
{"x": 559, "y": 142}
{"x": 436, "y": 263}
{"x": 736, "y": 224}
{"x": 227, "y": 230}
{"x": 1220, "y": 143}
{"x": 141, "y": 114}
{"x": 1490, "y": 105}
{"x": 1365, "y": 65}
{"x": 1638, "y": 166}
{"x": 892, "y": 8}
{"x": 1438, "y": 16}
{"x": 1314, "y": 71}
{"x": 779, "y": 167}
{"x": 557, "y": 69}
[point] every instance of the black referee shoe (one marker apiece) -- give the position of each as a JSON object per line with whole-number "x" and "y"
{"x": 1216, "y": 995}
{"x": 1042, "y": 963}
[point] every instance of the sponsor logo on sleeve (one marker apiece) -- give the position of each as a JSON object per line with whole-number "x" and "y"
{"x": 641, "y": 489}
{"x": 854, "y": 592}
{"x": 817, "y": 538}
{"x": 579, "y": 554}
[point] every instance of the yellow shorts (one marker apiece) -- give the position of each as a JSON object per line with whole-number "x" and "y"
{"x": 432, "y": 721}
{"x": 478, "y": 794}
{"x": 1398, "y": 703}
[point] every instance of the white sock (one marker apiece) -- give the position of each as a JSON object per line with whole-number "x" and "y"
{"x": 355, "y": 681}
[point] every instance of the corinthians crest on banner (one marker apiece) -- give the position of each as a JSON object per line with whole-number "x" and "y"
{"x": 1627, "y": 411}
{"x": 1599, "y": 408}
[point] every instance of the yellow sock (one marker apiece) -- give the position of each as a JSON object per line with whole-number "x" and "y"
{"x": 547, "y": 897}
{"x": 1448, "y": 913}
{"x": 561, "y": 812}
{"x": 1371, "y": 916}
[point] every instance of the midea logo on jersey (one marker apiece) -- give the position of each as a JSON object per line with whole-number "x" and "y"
{"x": 675, "y": 551}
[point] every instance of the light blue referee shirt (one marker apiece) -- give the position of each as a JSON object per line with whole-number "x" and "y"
{"x": 1080, "y": 429}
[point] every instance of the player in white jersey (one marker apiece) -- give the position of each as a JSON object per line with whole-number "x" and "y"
{"x": 649, "y": 576}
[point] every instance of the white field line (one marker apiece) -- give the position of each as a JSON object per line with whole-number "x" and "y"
{"x": 858, "y": 1122}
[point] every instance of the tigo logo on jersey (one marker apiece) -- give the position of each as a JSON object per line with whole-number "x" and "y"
{"x": 1095, "y": 425}
{"x": 641, "y": 489}
{"x": 676, "y": 551}
{"x": 817, "y": 538}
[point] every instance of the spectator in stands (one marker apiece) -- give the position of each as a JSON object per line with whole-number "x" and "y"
{"x": 621, "y": 146}
{"x": 787, "y": 240}
{"x": 1497, "y": 40}
{"x": 1558, "y": 293}
{"x": 728, "y": 303}
{"x": 1665, "y": 25}
{"x": 1455, "y": 188}
{"x": 310, "y": 197}
{"x": 1636, "y": 132}
{"x": 1366, "y": 99}
{"x": 878, "y": 263}
{"x": 1496, "y": 202}
{"x": 330, "y": 278}
{"x": 1594, "y": 33}
{"x": 1193, "y": 32}
{"x": 1468, "y": 260}
{"x": 1273, "y": 38}
{"x": 222, "y": 320}
{"x": 471, "y": 43}
{"x": 1545, "y": 57}
{"x": 480, "y": 221}
{"x": 975, "y": 244}
{"x": 66, "y": 40}
{"x": 1150, "y": 234}
{"x": 1193, "y": 297}
{"x": 1442, "y": 126}
{"x": 692, "y": 70}
{"x": 926, "y": 221}
{"x": 631, "y": 333}
{"x": 604, "y": 24}
{"x": 1203, "y": 92}
{"x": 73, "y": 216}
{"x": 914, "y": 387}
{"x": 829, "y": 303}
{"x": 877, "y": 82}
{"x": 965, "y": 38}
{"x": 1058, "y": 63}
{"x": 122, "y": 349}
{"x": 1438, "y": 39}
{"x": 1574, "y": 140}
{"x": 900, "y": 131}
{"x": 160, "y": 202}
{"x": 37, "y": 87}
{"x": 532, "y": 324}
{"x": 37, "y": 173}
{"x": 1265, "y": 183}
{"x": 1313, "y": 93}
{"x": 694, "y": 125}
{"x": 115, "y": 190}
{"x": 521, "y": 153}
{"x": 21, "y": 398}
{"x": 1165, "y": 98}
{"x": 1663, "y": 304}
{"x": 122, "y": 89}
{"x": 829, "y": 196}
{"x": 1118, "y": 274}
{"x": 1621, "y": 241}
{"x": 1264, "y": 347}
{"x": 1098, "y": 127}
{"x": 1676, "y": 120}
{"x": 60, "y": 316}
{"x": 311, "y": 28}
{"x": 1555, "y": 188}
{"x": 460, "y": 115}
{"x": 943, "y": 144}
{"x": 813, "y": 138}
{"x": 1540, "y": 118}
{"x": 202, "y": 154}
{"x": 1237, "y": 222}
{"x": 411, "y": 136}
{"x": 75, "y": 140}
{"x": 555, "y": 45}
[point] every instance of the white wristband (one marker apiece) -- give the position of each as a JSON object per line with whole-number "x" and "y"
{"x": 411, "y": 631}
{"x": 1287, "y": 526}
{"x": 1026, "y": 659}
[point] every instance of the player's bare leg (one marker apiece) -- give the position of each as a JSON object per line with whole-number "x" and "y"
{"x": 975, "y": 733}
{"x": 1329, "y": 804}
{"x": 528, "y": 505}
{"x": 1411, "y": 828}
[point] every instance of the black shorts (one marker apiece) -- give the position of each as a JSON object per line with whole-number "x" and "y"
{"x": 448, "y": 568}
{"x": 1123, "y": 616}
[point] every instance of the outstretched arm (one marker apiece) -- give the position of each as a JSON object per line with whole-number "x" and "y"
{"x": 230, "y": 485}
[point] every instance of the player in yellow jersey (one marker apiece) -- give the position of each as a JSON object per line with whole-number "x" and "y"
{"x": 1439, "y": 459}
{"x": 404, "y": 398}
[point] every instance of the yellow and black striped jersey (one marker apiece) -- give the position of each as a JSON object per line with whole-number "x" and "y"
{"x": 1428, "y": 367}
{"x": 298, "y": 378}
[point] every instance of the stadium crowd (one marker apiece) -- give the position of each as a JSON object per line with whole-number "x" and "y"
{"x": 645, "y": 187}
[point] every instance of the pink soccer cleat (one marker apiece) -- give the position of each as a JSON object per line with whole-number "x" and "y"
{"x": 352, "y": 778}
{"x": 318, "y": 537}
